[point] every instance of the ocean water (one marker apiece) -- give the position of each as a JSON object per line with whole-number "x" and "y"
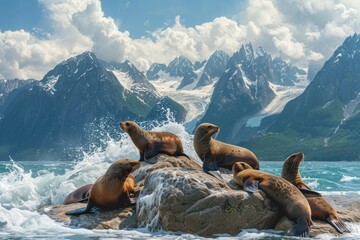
{"x": 27, "y": 186}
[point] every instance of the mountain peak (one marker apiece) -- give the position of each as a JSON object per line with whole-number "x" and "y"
{"x": 348, "y": 50}
{"x": 86, "y": 56}
{"x": 180, "y": 61}
{"x": 179, "y": 66}
{"x": 247, "y": 51}
{"x": 260, "y": 52}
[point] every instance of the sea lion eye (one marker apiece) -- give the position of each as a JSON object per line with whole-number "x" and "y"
{"x": 209, "y": 126}
{"x": 127, "y": 124}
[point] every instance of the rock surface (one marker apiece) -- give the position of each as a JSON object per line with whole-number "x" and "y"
{"x": 115, "y": 219}
{"x": 178, "y": 196}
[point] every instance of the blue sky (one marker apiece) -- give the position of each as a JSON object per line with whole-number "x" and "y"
{"x": 35, "y": 35}
{"x": 139, "y": 18}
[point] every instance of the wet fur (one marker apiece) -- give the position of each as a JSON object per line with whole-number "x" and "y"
{"x": 321, "y": 209}
{"x": 113, "y": 189}
{"x": 151, "y": 143}
{"x": 79, "y": 195}
{"x": 291, "y": 200}
{"x": 218, "y": 153}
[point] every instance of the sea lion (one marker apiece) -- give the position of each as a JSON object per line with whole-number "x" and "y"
{"x": 320, "y": 208}
{"x": 112, "y": 190}
{"x": 290, "y": 199}
{"x": 215, "y": 154}
{"x": 79, "y": 195}
{"x": 151, "y": 143}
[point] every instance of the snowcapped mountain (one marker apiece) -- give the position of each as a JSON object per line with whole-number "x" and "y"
{"x": 190, "y": 75}
{"x": 213, "y": 69}
{"x": 324, "y": 120}
{"x": 154, "y": 70}
{"x": 285, "y": 74}
{"x": 192, "y": 85}
{"x": 252, "y": 87}
{"x": 73, "y": 105}
{"x": 7, "y": 86}
{"x": 242, "y": 91}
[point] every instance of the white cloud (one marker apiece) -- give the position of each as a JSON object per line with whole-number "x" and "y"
{"x": 298, "y": 30}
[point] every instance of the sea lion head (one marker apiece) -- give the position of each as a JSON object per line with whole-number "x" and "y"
{"x": 206, "y": 130}
{"x": 132, "y": 165}
{"x": 293, "y": 161}
{"x": 121, "y": 168}
{"x": 128, "y": 126}
{"x": 240, "y": 166}
{"x": 291, "y": 166}
{"x": 291, "y": 172}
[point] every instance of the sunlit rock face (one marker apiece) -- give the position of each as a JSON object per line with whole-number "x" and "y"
{"x": 174, "y": 194}
{"x": 179, "y": 196}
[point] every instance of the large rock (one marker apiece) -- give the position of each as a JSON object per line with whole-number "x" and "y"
{"x": 176, "y": 195}
{"x": 189, "y": 200}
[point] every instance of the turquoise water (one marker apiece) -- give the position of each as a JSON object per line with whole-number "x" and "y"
{"x": 321, "y": 176}
{"x": 27, "y": 186}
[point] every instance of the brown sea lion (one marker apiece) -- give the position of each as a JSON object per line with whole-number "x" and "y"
{"x": 79, "y": 195}
{"x": 320, "y": 208}
{"x": 112, "y": 190}
{"x": 290, "y": 199}
{"x": 215, "y": 154}
{"x": 151, "y": 143}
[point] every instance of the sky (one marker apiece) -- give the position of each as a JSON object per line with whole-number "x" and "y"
{"x": 35, "y": 35}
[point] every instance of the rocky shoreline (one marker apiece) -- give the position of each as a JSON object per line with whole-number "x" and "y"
{"x": 174, "y": 194}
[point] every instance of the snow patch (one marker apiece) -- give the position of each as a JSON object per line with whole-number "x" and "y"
{"x": 337, "y": 58}
{"x": 125, "y": 80}
{"x": 194, "y": 101}
{"x": 327, "y": 104}
{"x": 248, "y": 83}
{"x": 283, "y": 95}
{"x": 49, "y": 86}
{"x": 192, "y": 85}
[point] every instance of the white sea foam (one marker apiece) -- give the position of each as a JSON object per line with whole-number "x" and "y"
{"x": 22, "y": 192}
{"x": 348, "y": 179}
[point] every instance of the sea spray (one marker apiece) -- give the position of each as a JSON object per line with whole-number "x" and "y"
{"x": 24, "y": 189}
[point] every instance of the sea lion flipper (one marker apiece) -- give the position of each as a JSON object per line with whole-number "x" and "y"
{"x": 90, "y": 208}
{"x": 183, "y": 154}
{"x": 84, "y": 200}
{"x": 337, "y": 224}
{"x": 309, "y": 192}
{"x": 215, "y": 174}
{"x": 142, "y": 156}
{"x": 302, "y": 228}
{"x": 251, "y": 185}
{"x": 212, "y": 169}
{"x": 76, "y": 212}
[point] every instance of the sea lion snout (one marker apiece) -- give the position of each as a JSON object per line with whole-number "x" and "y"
{"x": 128, "y": 165}
{"x": 207, "y": 129}
{"x": 296, "y": 156}
{"x": 126, "y": 125}
{"x": 135, "y": 165}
